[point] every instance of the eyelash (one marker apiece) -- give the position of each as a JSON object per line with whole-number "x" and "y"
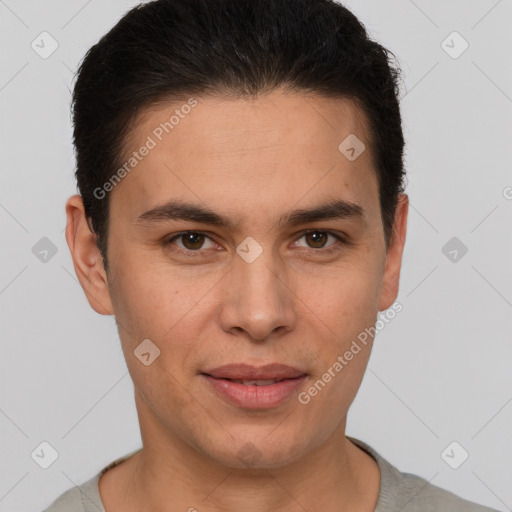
{"x": 187, "y": 252}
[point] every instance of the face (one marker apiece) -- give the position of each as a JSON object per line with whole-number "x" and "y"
{"x": 264, "y": 274}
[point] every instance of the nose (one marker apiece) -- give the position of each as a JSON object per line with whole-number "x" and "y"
{"x": 259, "y": 302}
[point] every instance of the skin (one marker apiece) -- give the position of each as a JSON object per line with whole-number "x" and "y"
{"x": 251, "y": 160}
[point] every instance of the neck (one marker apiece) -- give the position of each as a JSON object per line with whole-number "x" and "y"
{"x": 170, "y": 474}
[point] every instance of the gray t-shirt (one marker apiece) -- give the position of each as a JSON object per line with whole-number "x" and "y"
{"x": 398, "y": 492}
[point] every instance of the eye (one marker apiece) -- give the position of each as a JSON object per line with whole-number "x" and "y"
{"x": 317, "y": 239}
{"x": 192, "y": 241}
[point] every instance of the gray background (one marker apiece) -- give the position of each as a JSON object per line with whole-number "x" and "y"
{"x": 440, "y": 372}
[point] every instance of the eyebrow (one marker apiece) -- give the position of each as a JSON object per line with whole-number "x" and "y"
{"x": 181, "y": 210}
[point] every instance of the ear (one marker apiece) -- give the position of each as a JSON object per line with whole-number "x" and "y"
{"x": 391, "y": 279}
{"x": 87, "y": 258}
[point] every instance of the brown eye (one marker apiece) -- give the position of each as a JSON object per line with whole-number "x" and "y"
{"x": 192, "y": 241}
{"x": 317, "y": 239}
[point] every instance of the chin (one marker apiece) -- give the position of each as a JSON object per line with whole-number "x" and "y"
{"x": 256, "y": 452}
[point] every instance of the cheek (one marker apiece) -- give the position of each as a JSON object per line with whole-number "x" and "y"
{"x": 147, "y": 298}
{"x": 149, "y": 304}
{"x": 165, "y": 305}
{"x": 343, "y": 308}
{"x": 346, "y": 299}
{"x": 136, "y": 300}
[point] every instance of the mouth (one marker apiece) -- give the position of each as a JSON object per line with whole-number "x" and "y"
{"x": 245, "y": 373}
{"x": 248, "y": 387}
{"x": 266, "y": 382}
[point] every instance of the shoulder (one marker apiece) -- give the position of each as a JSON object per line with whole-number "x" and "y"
{"x": 82, "y": 498}
{"x": 416, "y": 494}
{"x": 411, "y": 493}
{"x": 85, "y": 497}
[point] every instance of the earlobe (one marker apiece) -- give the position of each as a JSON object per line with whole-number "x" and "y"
{"x": 86, "y": 257}
{"x": 391, "y": 278}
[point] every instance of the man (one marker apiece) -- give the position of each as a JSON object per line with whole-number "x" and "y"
{"x": 242, "y": 215}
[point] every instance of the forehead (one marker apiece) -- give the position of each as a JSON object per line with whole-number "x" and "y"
{"x": 281, "y": 114}
{"x": 277, "y": 148}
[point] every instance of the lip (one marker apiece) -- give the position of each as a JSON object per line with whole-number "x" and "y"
{"x": 253, "y": 396}
{"x": 249, "y": 372}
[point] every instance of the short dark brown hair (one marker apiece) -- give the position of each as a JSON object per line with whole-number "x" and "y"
{"x": 168, "y": 49}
